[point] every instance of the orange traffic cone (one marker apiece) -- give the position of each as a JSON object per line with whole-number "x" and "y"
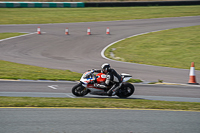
{"x": 88, "y": 31}
{"x": 66, "y": 31}
{"x": 107, "y": 31}
{"x": 192, "y": 79}
{"x": 38, "y": 31}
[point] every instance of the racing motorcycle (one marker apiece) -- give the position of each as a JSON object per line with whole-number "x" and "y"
{"x": 88, "y": 79}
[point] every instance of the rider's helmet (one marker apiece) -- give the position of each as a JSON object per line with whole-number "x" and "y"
{"x": 101, "y": 77}
{"x": 105, "y": 67}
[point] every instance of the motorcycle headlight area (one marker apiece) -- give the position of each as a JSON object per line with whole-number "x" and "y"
{"x": 88, "y": 76}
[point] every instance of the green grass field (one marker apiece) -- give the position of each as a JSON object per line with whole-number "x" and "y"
{"x": 8, "y": 35}
{"x": 97, "y": 103}
{"x": 10, "y": 70}
{"x": 69, "y": 15}
{"x": 175, "y": 48}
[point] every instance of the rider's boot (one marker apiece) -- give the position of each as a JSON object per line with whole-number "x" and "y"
{"x": 111, "y": 93}
{"x": 114, "y": 89}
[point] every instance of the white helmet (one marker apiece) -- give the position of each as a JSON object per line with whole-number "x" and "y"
{"x": 105, "y": 66}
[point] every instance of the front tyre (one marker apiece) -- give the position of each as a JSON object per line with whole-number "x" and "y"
{"x": 79, "y": 91}
{"x": 125, "y": 90}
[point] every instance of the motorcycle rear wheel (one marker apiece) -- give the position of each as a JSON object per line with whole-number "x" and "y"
{"x": 79, "y": 91}
{"x": 126, "y": 90}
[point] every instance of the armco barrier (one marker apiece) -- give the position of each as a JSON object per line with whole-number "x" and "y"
{"x": 142, "y": 3}
{"x": 40, "y": 4}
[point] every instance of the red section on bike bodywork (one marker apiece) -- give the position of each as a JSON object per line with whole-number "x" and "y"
{"x": 92, "y": 86}
{"x": 101, "y": 77}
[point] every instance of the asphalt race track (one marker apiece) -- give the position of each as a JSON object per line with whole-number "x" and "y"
{"x": 79, "y": 52}
{"x": 49, "y": 120}
{"x": 184, "y": 93}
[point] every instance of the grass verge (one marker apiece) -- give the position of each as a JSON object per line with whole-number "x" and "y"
{"x": 7, "y": 35}
{"x": 10, "y": 70}
{"x": 97, "y": 103}
{"x": 69, "y": 15}
{"x": 175, "y": 48}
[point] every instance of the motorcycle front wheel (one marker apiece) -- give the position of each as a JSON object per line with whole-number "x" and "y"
{"x": 79, "y": 90}
{"x": 126, "y": 90}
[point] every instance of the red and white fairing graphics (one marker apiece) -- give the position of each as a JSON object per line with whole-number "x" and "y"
{"x": 88, "y": 77}
{"x": 101, "y": 77}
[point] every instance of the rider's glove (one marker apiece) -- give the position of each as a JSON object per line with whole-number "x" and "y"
{"x": 92, "y": 70}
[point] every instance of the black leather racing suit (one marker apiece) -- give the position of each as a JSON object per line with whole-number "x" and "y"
{"x": 112, "y": 78}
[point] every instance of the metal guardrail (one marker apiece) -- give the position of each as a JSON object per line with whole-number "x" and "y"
{"x": 40, "y": 4}
{"x": 142, "y": 3}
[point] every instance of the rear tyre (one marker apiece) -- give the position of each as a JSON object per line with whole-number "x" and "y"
{"x": 125, "y": 90}
{"x": 79, "y": 91}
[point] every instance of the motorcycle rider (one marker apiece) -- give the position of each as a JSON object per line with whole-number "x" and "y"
{"x": 112, "y": 78}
